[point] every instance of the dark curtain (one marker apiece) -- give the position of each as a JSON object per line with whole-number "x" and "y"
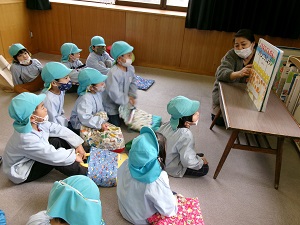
{"x": 264, "y": 17}
{"x": 38, "y": 4}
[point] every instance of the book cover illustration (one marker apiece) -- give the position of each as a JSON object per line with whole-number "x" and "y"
{"x": 265, "y": 66}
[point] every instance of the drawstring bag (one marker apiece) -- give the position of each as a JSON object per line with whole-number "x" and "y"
{"x": 103, "y": 166}
{"x": 136, "y": 118}
{"x": 188, "y": 213}
{"x": 111, "y": 139}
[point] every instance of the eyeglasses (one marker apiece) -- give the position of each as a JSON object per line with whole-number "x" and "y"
{"x": 78, "y": 192}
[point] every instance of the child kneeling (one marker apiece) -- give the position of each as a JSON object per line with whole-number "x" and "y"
{"x": 143, "y": 186}
{"x": 181, "y": 157}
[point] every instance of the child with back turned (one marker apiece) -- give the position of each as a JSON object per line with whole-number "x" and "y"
{"x": 74, "y": 200}
{"x": 26, "y": 72}
{"x": 181, "y": 158}
{"x": 37, "y": 145}
{"x": 143, "y": 186}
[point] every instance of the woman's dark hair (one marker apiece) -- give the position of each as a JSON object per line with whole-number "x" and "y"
{"x": 162, "y": 148}
{"x": 245, "y": 33}
{"x": 19, "y": 53}
{"x": 184, "y": 119}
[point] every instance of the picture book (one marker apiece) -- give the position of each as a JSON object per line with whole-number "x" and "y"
{"x": 297, "y": 118}
{"x": 265, "y": 66}
{"x": 282, "y": 66}
{"x": 288, "y": 85}
{"x": 293, "y": 95}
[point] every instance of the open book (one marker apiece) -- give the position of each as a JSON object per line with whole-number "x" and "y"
{"x": 265, "y": 66}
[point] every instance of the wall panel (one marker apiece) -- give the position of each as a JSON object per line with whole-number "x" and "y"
{"x": 51, "y": 28}
{"x": 87, "y": 22}
{"x": 14, "y": 26}
{"x": 203, "y": 50}
{"x": 157, "y": 39}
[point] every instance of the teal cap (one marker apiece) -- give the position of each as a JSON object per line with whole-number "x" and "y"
{"x": 52, "y": 71}
{"x": 67, "y": 49}
{"x": 76, "y": 200}
{"x": 89, "y": 76}
{"x": 120, "y": 48}
{"x": 21, "y": 108}
{"x": 15, "y": 48}
{"x": 96, "y": 41}
{"x": 179, "y": 107}
{"x": 142, "y": 161}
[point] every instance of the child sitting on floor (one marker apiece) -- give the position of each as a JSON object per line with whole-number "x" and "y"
{"x": 30, "y": 153}
{"x": 71, "y": 59}
{"x": 57, "y": 82}
{"x": 120, "y": 84}
{"x": 98, "y": 58}
{"x": 143, "y": 186}
{"x": 75, "y": 200}
{"x": 181, "y": 157}
{"x": 26, "y": 72}
{"x": 89, "y": 102}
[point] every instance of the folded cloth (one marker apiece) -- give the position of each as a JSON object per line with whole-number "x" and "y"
{"x": 142, "y": 83}
{"x": 136, "y": 118}
{"x": 188, "y": 213}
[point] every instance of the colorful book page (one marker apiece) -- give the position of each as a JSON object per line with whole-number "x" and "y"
{"x": 265, "y": 66}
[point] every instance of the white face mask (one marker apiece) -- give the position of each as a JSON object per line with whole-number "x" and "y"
{"x": 244, "y": 53}
{"x": 99, "y": 89}
{"x": 196, "y": 123}
{"x": 26, "y": 61}
{"x": 127, "y": 63}
{"x": 75, "y": 59}
{"x": 45, "y": 119}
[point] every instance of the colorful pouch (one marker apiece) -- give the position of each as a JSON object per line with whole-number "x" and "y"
{"x": 135, "y": 118}
{"x": 143, "y": 83}
{"x": 103, "y": 166}
{"x": 188, "y": 213}
{"x": 112, "y": 139}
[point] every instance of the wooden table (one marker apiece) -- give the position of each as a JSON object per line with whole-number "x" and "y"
{"x": 241, "y": 115}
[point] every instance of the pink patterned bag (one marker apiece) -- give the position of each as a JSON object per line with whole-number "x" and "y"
{"x": 189, "y": 213}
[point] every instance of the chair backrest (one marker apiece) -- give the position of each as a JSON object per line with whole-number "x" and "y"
{"x": 6, "y": 82}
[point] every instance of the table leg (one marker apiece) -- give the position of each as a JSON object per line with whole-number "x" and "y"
{"x": 278, "y": 161}
{"x": 226, "y": 151}
{"x": 215, "y": 119}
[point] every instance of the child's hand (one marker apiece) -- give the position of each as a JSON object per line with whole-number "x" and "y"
{"x": 131, "y": 100}
{"x": 78, "y": 158}
{"x": 80, "y": 151}
{"x": 108, "y": 63}
{"x": 104, "y": 126}
{"x": 204, "y": 160}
